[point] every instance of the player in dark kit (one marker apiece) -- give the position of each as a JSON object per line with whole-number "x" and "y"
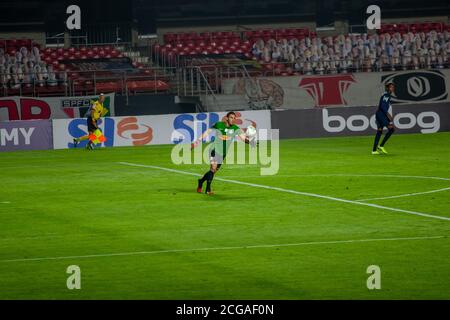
{"x": 384, "y": 119}
{"x": 226, "y": 131}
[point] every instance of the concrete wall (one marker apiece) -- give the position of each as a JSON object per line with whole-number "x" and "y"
{"x": 150, "y": 105}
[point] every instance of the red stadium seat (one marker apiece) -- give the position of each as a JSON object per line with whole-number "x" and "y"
{"x": 436, "y": 26}
{"x": 109, "y": 86}
{"x": 12, "y": 43}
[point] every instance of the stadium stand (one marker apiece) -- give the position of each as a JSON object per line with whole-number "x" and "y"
{"x": 284, "y": 52}
{"x": 25, "y": 69}
{"x": 413, "y": 27}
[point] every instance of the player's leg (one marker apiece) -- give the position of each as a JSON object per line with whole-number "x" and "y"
{"x": 91, "y": 130}
{"x": 90, "y": 145}
{"x": 76, "y": 141}
{"x": 214, "y": 167}
{"x": 391, "y": 130}
{"x": 85, "y": 137}
{"x": 378, "y": 134}
{"x": 377, "y": 140}
{"x": 207, "y": 175}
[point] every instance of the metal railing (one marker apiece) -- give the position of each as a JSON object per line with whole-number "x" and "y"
{"x": 184, "y": 81}
{"x": 58, "y": 41}
{"x": 193, "y": 82}
{"x": 78, "y": 83}
{"x": 276, "y": 34}
{"x": 207, "y": 82}
{"x": 210, "y": 81}
{"x": 318, "y": 68}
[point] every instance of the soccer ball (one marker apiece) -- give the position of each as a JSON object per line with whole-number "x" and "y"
{"x": 251, "y": 131}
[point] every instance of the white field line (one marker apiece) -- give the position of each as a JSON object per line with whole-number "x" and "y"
{"x": 292, "y": 191}
{"x": 5, "y": 202}
{"x": 348, "y": 175}
{"x": 262, "y": 246}
{"x": 367, "y": 175}
{"x": 406, "y": 195}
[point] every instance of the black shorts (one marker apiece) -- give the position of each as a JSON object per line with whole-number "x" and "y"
{"x": 90, "y": 125}
{"x": 382, "y": 120}
{"x": 216, "y": 157}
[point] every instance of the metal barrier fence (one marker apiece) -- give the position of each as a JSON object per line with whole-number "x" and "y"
{"x": 58, "y": 41}
{"x": 76, "y": 83}
{"x": 183, "y": 80}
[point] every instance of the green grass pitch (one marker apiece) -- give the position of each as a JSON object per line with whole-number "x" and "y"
{"x": 145, "y": 233}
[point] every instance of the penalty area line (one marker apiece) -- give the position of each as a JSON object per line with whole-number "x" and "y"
{"x": 314, "y": 195}
{"x": 262, "y": 246}
{"x": 406, "y": 195}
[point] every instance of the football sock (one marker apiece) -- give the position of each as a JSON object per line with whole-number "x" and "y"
{"x": 205, "y": 177}
{"x": 377, "y": 140}
{"x": 387, "y": 136}
{"x": 209, "y": 181}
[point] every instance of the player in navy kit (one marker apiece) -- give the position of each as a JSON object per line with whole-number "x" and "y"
{"x": 384, "y": 119}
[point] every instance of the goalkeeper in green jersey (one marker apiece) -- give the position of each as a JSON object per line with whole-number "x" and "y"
{"x": 226, "y": 131}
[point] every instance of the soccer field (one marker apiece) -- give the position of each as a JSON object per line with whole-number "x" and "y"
{"x": 309, "y": 232}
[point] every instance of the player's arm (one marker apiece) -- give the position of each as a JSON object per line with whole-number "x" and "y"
{"x": 94, "y": 121}
{"x": 384, "y": 107}
{"x": 202, "y": 136}
{"x": 94, "y": 115}
{"x": 391, "y": 120}
{"x": 104, "y": 112}
{"x": 244, "y": 137}
{"x": 389, "y": 116}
